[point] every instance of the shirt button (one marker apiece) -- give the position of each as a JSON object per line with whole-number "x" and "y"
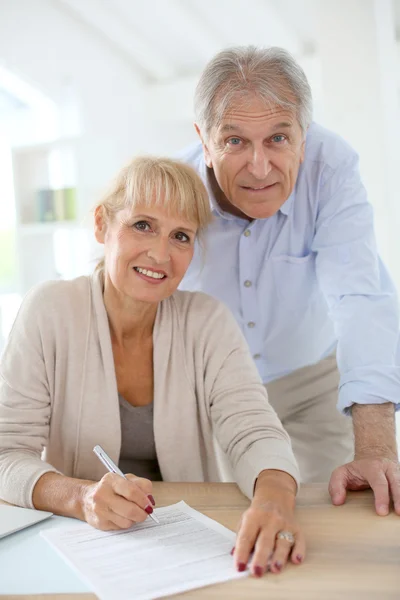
{"x": 247, "y": 233}
{"x": 256, "y": 356}
{"x": 247, "y": 283}
{"x": 251, "y": 324}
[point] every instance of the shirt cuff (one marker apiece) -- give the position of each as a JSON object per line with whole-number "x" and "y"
{"x": 369, "y": 385}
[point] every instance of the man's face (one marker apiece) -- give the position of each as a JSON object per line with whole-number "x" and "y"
{"x": 255, "y": 154}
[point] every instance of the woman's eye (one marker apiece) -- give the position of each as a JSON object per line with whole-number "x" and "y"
{"x": 142, "y": 226}
{"x": 182, "y": 237}
{"x": 278, "y": 138}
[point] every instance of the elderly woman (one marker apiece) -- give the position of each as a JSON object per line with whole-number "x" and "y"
{"x": 125, "y": 360}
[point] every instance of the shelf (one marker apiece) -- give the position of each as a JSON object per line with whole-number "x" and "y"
{"x": 46, "y": 228}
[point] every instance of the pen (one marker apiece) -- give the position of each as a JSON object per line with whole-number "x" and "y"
{"x": 112, "y": 467}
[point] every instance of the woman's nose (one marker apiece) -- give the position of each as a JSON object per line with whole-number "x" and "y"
{"x": 159, "y": 251}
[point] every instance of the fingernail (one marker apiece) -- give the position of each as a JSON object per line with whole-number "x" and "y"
{"x": 233, "y": 550}
{"x": 278, "y": 566}
{"x": 382, "y": 510}
{"x": 241, "y": 567}
{"x": 149, "y": 509}
{"x": 258, "y": 572}
{"x": 150, "y": 497}
{"x": 299, "y": 558}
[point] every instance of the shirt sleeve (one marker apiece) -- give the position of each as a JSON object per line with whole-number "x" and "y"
{"x": 361, "y": 297}
{"x": 25, "y": 407}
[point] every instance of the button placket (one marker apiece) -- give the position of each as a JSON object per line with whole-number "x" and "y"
{"x": 248, "y": 292}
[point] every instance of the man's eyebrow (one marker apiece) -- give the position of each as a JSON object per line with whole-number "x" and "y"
{"x": 237, "y": 129}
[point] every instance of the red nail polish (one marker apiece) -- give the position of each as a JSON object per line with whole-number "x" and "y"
{"x": 150, "y": 497}
{"x": 278, "y": 566}
{"x": 258, "y": 572}
{"x": 241, "y": 567}
{"x": 149, "y": 509}
{"x": 233, "y": 550}
{"x": 299, "y": 558}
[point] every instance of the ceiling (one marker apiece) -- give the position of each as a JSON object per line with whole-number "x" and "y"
{"x": 155, "y": 35}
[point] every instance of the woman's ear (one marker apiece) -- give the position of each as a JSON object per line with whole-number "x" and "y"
{"x": 100, "y": 225}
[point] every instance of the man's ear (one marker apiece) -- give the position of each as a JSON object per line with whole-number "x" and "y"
{"x": 99, "y": 224}
{"x": 206, "y": 152}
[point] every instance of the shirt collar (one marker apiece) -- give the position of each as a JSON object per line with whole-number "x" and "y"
{"x": 287, "y": 205}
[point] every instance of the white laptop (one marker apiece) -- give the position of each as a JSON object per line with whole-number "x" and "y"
{"x": 13, "y": 518}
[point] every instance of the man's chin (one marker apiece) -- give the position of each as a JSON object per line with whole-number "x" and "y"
{"x": 258, "y": 210}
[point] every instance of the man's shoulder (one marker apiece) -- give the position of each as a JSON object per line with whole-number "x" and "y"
{"x": 327, "y": 148}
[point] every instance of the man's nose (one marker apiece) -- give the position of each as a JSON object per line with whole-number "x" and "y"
{"x": 259, "y": 165}
{"x": 159, "y": 250}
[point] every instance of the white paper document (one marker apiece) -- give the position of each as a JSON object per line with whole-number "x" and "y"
{"x": 185, "y": 551}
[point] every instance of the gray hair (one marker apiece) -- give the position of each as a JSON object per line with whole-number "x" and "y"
{"x": 237, "y": 73}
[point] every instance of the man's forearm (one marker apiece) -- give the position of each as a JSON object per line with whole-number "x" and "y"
{"x": 374, "y": 430}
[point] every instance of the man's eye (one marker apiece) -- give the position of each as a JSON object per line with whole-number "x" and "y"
{"x": 278, "y": 139}
{"x": 234, "y": 141}
{"x": 142, "y": 226}
{"x": 182, "y": 237}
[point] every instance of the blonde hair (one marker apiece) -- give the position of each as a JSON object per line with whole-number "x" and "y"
{"x": 154, "y": 181}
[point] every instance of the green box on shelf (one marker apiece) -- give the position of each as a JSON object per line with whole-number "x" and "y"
{"x": 69, "y": 204}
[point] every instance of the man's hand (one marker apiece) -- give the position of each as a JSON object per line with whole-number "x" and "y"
{"x": 375, "y": 463}
{"x": 380, "y": 474}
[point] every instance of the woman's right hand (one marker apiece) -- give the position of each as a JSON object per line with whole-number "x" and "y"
{"x": 117, "y": 503}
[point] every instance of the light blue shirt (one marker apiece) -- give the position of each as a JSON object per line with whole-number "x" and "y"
{"x": 308, "y": 280}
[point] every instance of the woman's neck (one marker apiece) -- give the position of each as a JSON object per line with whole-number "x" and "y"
{"x": 129, "y": 319}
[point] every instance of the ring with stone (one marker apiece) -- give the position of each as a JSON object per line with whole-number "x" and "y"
{"x": 286, "y": 535}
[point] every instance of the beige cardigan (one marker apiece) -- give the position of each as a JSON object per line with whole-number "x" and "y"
{"x": 58, "y": 392}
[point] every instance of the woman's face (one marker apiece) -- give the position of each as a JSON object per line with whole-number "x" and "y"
{"x": 147, "y": 252}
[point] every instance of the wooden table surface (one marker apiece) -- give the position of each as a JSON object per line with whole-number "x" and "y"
{"x": 352, "y": 553}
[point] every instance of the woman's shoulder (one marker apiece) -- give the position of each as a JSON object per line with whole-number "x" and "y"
{"x": 50, "y": 295}
{"x": 197, "y": 304}
{"x": 203, "y": 314}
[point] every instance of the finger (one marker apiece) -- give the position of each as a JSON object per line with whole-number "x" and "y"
{"x": 145, "y": 484}
{"x": 280, "y": 555}
{"x": 128, "y": 489}
{"x": 393, "y": 475}
{"x": 337, "y": 486}
{"x": 299, "y": 549}
{"x": 263, "y": 551}
{"x": 380, "y": 487}
{"x": 127, "y": 510}
{"x": 118, "y": 522}
{"x": 245, "y": 541}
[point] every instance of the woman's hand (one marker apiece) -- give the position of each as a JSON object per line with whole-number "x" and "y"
{"x": 271, "y": 512}
{"x": 117, "y": 503}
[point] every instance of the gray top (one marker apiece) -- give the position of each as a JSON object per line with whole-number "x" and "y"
{"x": 138, "y": 450}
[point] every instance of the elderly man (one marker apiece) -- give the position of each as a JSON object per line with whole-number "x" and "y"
{"x": 292, "y": 252}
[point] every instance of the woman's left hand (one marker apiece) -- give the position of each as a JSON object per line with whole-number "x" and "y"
{"x": 271, "y": 513}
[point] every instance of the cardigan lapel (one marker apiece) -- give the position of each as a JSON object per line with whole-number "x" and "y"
{"x": 176, "y": 424}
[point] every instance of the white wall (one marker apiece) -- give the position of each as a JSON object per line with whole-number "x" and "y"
{"x": 62, "y": 57}
{"x": 120, "y": 116}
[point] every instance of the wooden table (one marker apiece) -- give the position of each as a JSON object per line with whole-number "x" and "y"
{"x": 352, "y": 553}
